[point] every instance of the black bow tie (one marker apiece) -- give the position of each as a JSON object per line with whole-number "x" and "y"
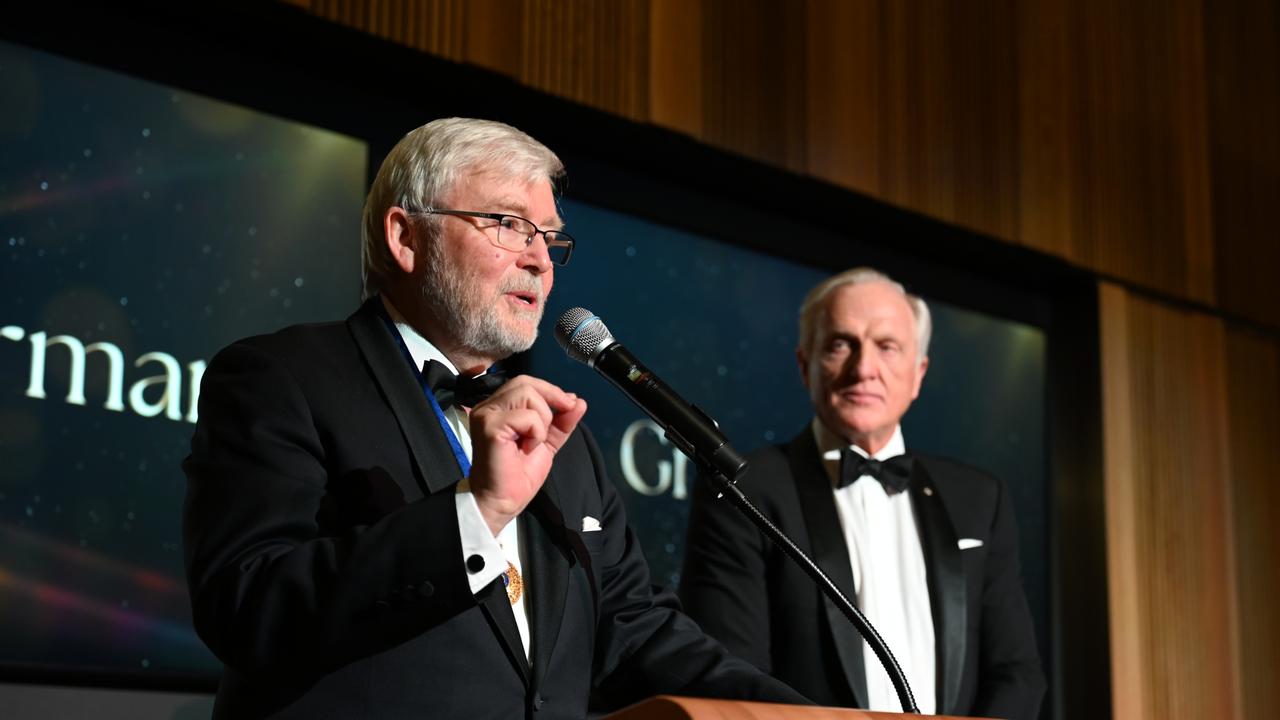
{"x": 892, "y": 473}
{"x": 451, "y": 390}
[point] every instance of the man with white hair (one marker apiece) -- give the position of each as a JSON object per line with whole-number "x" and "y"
{"x": 927, "y": 546}
{"x": 378, "y": 527}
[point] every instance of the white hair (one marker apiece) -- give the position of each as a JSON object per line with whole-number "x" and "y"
{"x": 816, "y": 301}
{"x": 425, "y": 167}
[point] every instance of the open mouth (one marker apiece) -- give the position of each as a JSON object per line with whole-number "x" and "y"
{"x": 525, "y": 299}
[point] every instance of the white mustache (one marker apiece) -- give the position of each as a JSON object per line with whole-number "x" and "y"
{"x": 525, "y": 284}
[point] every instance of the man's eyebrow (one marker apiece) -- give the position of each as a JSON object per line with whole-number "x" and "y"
{"x": 514, "y": 206}
{"x": 842, "y": 335}
{"x": 506, "y": 203}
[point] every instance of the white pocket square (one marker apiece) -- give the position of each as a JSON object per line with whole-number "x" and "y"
{"x": 590, "y": 524}
{"x": 969, "y": 543}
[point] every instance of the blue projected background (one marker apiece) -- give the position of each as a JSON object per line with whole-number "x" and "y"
{"x": 147, "y": 227}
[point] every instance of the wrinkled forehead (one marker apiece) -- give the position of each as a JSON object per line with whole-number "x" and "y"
{"x": 494, "y": 180}
{"x": 505, "y": 170}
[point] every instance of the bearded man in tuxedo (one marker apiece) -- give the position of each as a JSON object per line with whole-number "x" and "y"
{"x": 378, "y": 527}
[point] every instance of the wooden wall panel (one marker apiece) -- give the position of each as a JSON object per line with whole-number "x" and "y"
{"x": 675, "y": 72}
{"x": 1118, "y": 157}
{"x": 1170, "y": 531}
{"x": 495, "y": 35}
{"x": 1253, "y": 362}
{"x": 753, "y": 79}
{"x": 1243, "y": 45}
{"x": 596, "y": 53}
{"x": 948, "y": 123}
{"x": 1136, "y": 139}
{"x": 842, "y": 100}
{"x": 1050, "y": 183}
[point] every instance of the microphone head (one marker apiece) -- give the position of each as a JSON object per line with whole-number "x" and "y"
{"x": 582, "y": 334}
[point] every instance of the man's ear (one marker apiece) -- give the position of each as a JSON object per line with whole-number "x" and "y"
{"x": 920, "y": 371}
{"x": 400, "y": 238}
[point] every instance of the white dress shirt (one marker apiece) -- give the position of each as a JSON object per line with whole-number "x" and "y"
{"x": 477, "y": 539}
{"x": 888, "y": 574}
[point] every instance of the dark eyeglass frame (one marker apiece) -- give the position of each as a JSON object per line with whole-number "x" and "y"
{"x": 553, "y": 238}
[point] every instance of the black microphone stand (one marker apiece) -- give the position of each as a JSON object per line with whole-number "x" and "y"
{"x": 726, "y": 488}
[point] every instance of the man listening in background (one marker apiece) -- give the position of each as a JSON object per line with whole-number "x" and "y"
{"x": 927, "y": 546}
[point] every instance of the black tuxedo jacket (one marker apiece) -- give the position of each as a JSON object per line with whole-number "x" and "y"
{"x": 763, "y": 607}
{"x": 325, "y": 565}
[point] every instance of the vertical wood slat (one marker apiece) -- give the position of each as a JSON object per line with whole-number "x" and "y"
{"x": 1243, "y": 49}
{"x": 1170, "y": 532}
{"x": 495, "y": 35}
{"x": 595, "y": 53}
{"x": 675, "y": 65}
{"x": 1189, "y": 116}
{"x": 1050, "y": 88}
{"x": 1129, "y": 670}
{"x": 1254, "y": 399}
{"x": 843, "y": 86}
{"x": 948, "y": 126}
{"x": 984, "y": 101}
{"x": 754, "y": 80}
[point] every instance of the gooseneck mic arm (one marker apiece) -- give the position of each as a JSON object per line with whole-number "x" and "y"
{"x": 726, "y": 488}
{"x": 586, "y": 339}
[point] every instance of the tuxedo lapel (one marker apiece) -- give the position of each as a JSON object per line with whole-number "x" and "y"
{"x": 945, "y": 570}
{"x": 548, "y": 573}
{"x": 497, "y": 609}
{"x": 830, "y": 552}
{"x": 426, "y": 439}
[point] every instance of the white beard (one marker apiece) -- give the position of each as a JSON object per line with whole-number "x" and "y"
{"x": 453, "y": 294}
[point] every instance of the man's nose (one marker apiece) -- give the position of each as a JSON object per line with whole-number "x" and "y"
{"x": 536, "y": 257}
{"x": 862, "y": 361}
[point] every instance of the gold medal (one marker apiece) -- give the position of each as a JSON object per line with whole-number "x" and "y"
{"x": 512, "y": 580}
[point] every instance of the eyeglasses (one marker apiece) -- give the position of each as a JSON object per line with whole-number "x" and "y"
{"x": 516, "y": 233}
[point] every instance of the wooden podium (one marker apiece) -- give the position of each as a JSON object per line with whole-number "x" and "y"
{"x": 667, "y": 707}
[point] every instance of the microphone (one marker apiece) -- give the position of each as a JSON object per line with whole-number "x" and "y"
{"x": 585, "y": 338}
